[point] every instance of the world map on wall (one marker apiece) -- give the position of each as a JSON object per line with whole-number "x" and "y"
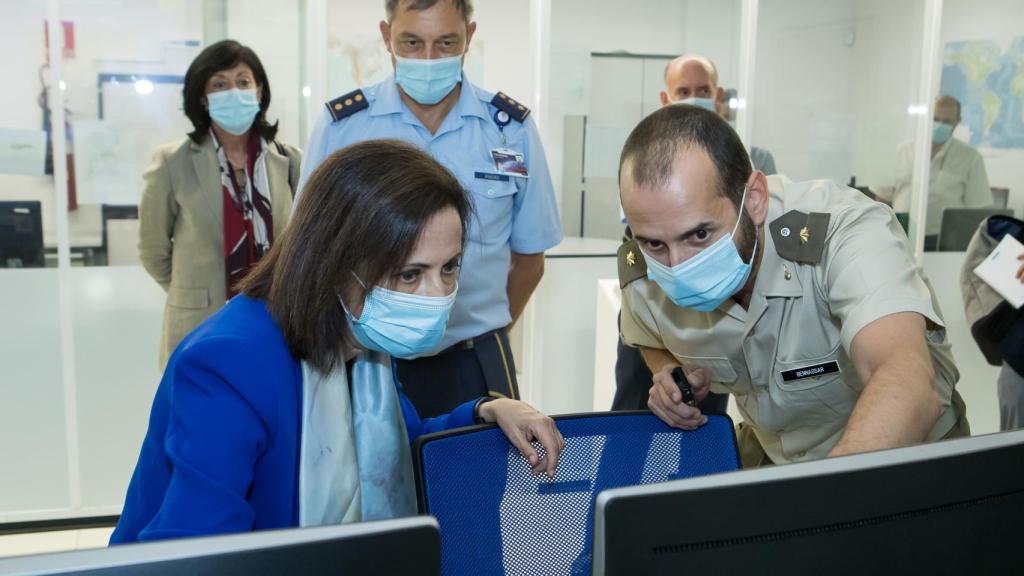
{"x": 989, "y": 83}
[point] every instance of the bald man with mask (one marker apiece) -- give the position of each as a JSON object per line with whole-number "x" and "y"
{"x": 693, "y": 79}
{"x": 957, "y": 177}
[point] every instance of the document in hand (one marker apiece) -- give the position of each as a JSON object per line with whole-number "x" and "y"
{"x": 999, "y": 270}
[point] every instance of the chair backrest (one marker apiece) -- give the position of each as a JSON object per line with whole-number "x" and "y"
{"x": 959, "y": 224}
{"x": 497, "y": 518}
{"x": 1000, "y": 196}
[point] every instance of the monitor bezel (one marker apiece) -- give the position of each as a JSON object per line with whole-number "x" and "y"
{"x": 127, "y": 555}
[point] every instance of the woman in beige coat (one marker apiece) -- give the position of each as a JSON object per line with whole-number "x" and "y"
{"x": 214, "y": 202}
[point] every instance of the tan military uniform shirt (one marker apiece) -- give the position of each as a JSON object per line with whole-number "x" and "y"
{"x": 786, "y": 358}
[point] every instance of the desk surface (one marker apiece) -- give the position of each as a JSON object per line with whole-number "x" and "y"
{"x": 576, "y": 247}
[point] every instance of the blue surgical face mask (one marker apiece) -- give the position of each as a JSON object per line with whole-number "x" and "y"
{"x": 428, "y": 81}
{"x": 234, "y": 110}
{"x": 705, "y": 103}
{"x": 941, "y": 132}
{"x": 402, "y": 325}
{"x": 706, "y": 280}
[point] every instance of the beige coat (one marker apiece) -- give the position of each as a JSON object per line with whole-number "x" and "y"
{"x": 181, "y": 229}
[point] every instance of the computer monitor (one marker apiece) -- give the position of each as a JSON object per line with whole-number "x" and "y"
{"x": 952, "y": 507}
{"x": 407, "y": 546}
{"x": 21, "y": 234}
{"x": 959, "y": 225}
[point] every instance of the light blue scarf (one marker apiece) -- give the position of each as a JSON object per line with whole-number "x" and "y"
{"x": 355, "y": 462}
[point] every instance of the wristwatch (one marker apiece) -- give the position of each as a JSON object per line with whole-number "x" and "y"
{"x": 476, "y": 409}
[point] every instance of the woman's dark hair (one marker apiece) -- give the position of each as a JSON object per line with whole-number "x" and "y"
{"x": 360, "y": 214}
{"x": 223, "y": 55}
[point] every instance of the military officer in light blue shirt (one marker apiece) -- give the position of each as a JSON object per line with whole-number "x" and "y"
{"x": 492, "y": 146}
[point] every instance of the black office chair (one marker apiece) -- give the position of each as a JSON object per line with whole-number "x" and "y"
{"x": 959, "y": 224}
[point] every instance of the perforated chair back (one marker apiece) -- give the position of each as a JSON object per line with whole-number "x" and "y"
{"x": 497, "y": 518}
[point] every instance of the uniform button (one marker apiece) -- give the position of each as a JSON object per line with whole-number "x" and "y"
{"x": 490, "y": 192}
{"x": 802, "y": 454}
{"x": 785, "y": 232}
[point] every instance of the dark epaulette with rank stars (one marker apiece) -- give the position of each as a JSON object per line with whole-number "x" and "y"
{"x": 347, "y": 105}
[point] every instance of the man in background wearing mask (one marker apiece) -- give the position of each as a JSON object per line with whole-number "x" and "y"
{"x": 693, "y": 79}
{"x": 689, "y": 79}
{"x": 799, "y": 298}
{"x": 491, "y": 145}
{"x": 957, "y": 177}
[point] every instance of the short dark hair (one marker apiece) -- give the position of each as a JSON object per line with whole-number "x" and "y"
{"x": 360, "y": 214}
{"x": 465, "y": 7}
{"x": 223, "y": 55}
{"x": 652, "y": 147}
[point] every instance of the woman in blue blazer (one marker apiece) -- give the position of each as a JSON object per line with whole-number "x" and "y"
{"x": 282, "y": 409}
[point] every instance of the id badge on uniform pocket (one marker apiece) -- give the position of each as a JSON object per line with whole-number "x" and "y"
{"x": 511, "y": 162}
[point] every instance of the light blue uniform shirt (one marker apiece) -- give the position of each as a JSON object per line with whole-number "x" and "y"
{"x": 512, "y": 214}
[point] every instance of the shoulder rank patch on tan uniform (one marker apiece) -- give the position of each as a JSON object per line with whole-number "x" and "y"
{"x": 632, "y": 265}
{"x": 799, "y": 236}
{"x": 347, "y": 105}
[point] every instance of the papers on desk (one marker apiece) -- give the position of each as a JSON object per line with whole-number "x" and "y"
{"x": 22, "y": 152}
{"x": 999, "y": 270}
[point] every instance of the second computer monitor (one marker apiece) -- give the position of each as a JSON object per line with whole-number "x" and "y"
{"x": 952, "y": 507}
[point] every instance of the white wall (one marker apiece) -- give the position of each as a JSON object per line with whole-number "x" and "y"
{"x": 271, "y": 28}
{"x": 1002, "y": 21}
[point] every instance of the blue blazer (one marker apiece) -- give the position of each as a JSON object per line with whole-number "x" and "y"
{"x": 222, "y": 451}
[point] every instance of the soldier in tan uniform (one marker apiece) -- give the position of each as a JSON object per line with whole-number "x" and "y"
{"x": 799, "y": 298}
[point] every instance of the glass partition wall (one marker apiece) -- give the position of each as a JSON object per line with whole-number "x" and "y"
{"x": 80, "y": 319}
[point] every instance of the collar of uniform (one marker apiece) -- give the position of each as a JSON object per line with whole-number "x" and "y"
{"x": 771, "y": 281}
{"x": 386, "y": 99}
{"x": 389, "y": 100}
{"x": 472, "y": 100}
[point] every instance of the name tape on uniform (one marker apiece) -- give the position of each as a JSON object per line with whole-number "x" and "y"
{"x": 495, "y": 177}
{"x": 831, "y": 367}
